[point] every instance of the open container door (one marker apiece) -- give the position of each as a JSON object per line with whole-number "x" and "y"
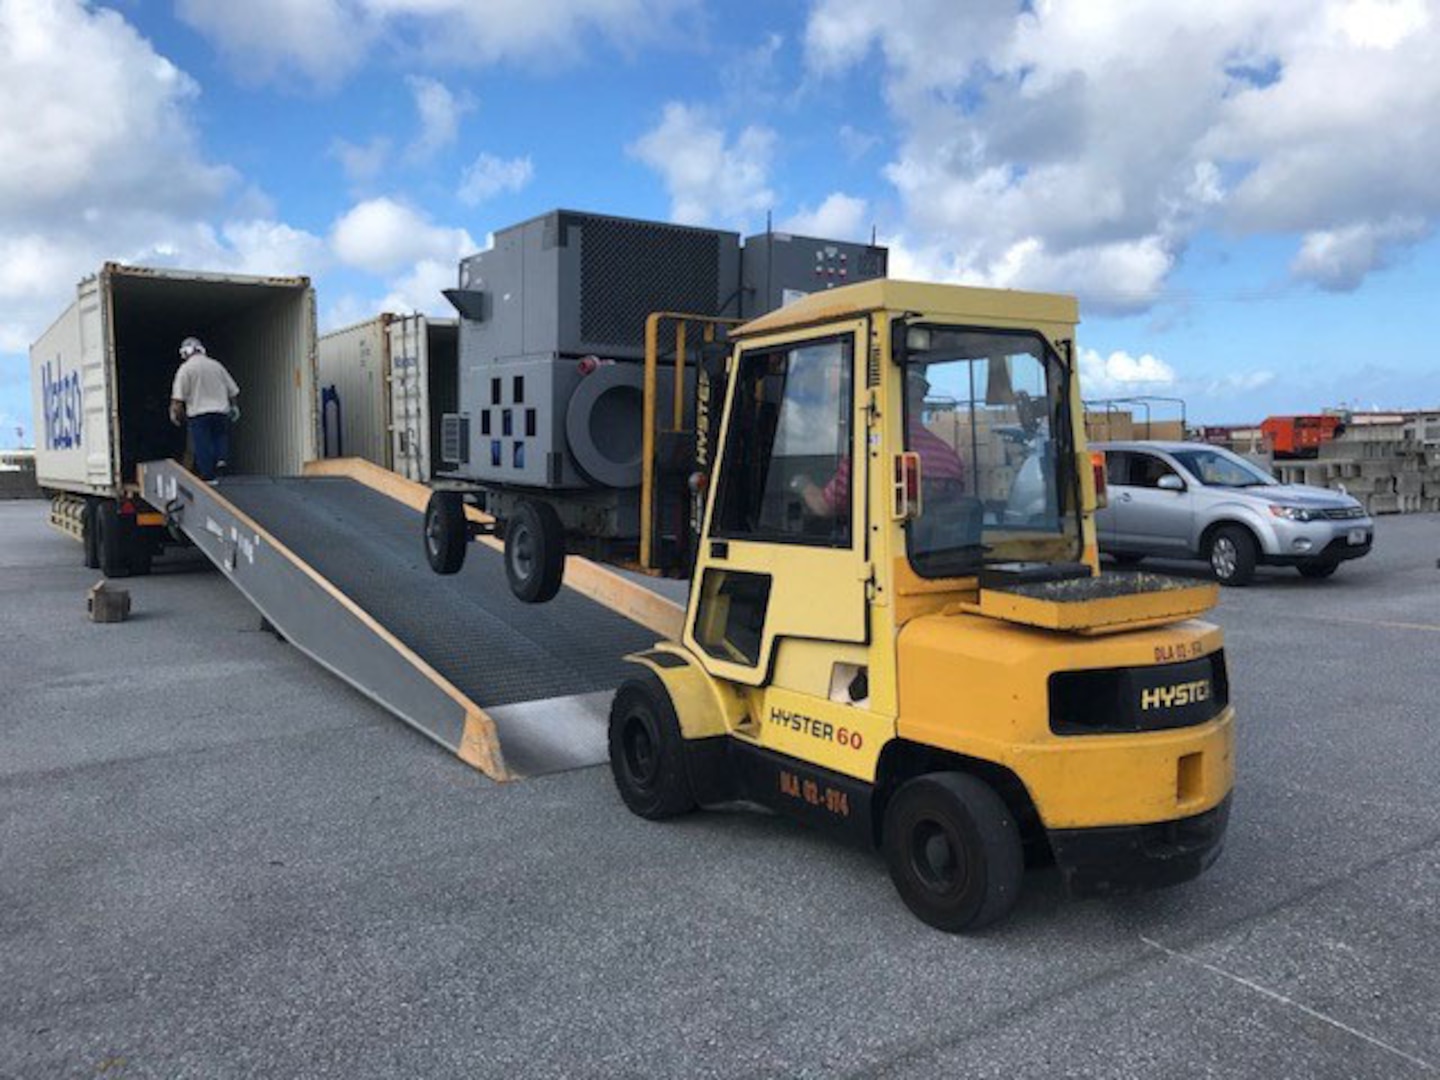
{"x": 261, "y": 329}
{"x": 424, "y": 385}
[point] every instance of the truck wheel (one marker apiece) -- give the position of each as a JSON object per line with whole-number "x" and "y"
{"x": 954, "y": 851}
{"x": 1232, "y": 555}
{"x": 110, "y": 543}
{"x": 647, "y": 751}
{"x": 1318, "y": 569}
{"x": 88, "y": 534}
{"x": 140, "y": 552}
{"x": 534, "y": 551}
{"x": 446, "y": 534}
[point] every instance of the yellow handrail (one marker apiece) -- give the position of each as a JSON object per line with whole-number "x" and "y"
{"x": 652, "y": 362}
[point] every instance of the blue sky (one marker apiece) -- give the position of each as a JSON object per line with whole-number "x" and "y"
{"x": 1243, "y": 196}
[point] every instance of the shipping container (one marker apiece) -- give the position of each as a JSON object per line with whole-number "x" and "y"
{"x": 101, "y": 379}
{"x": 384, "y": 385}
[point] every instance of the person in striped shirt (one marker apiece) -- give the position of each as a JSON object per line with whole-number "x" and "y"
{"x": 940, "y": 465}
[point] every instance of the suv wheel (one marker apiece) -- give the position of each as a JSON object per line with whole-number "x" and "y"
{"x": 1233, "y": 554}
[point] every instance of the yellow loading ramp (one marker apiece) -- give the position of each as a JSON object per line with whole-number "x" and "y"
{"x": 346, "y": 590}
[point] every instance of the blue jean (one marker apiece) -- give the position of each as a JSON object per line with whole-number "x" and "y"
{"x": 210, "y": 438}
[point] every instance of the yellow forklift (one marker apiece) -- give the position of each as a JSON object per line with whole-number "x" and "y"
{"x": 897, "y": 625}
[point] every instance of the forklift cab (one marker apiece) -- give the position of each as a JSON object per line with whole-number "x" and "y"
{"x": 896, "y": 624}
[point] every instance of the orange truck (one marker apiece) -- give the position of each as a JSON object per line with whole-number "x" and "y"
{"x": 1299, "y": 436}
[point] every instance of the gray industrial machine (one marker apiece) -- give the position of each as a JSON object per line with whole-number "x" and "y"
{"x": 552, "y": 350}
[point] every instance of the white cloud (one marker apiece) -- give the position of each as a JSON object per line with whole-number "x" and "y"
{"x": 839, "y": 217}
{"x": 321, "y": 40}
{"x": 711, "y": 179}
{"x": 488, "y": 176}
{"x": 381, "y": 235}
{"x": 118, "y": 136}
{"x": 1339, "y": 259}
{"x": 1120, "y": 374}
{"x": 439, "y": 113}
{"x": 1082, "y": 146}
{"x": 325, "y": 41}
{"x": 118, "y": 174}
{"x": 361, "y": 162}
{"x": 419, "y": 288}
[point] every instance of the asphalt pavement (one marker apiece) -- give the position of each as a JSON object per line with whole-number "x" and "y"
{"x": 216, "y": 860}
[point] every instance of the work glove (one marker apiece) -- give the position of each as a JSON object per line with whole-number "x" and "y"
{"x": 234, "y": 413}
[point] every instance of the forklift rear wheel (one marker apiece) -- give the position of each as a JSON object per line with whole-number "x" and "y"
{"x": 88, "y": 534}
{"x": 954, "y": 851}
{"x": 647, "y": 751}
{"x": 445, "y": 532}
{"x": 535, "y": 551}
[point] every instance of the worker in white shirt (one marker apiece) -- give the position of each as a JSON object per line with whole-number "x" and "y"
{"x": 204, "y": 396}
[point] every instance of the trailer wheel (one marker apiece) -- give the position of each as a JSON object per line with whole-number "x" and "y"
{"x": 110, "y": 543}
{"x": 954, "y": 851}
{"x": 88, "y": 535}
{"x": 647, "y": 751}
{"x": 1233, "y": 554}
{"x": 140, "y": 552}
{"x": 446, "y": 535}
{"x": 534, "y": 551}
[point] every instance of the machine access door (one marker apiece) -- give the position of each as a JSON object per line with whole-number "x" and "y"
{"x": 783, "y": 554}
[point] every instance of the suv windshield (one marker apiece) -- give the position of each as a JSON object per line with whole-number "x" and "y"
{"x": 987, "y": 413}
{"x": 1219, "y": 468}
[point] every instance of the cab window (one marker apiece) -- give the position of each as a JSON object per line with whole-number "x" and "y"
{"x": 786, "y": 472}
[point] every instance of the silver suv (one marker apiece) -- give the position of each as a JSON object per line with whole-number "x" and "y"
{"x": 1188, "y": 500}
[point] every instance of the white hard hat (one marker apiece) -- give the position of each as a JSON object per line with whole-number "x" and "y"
{"x": 190, "y": 346}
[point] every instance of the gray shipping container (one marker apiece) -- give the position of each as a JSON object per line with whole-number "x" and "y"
{"x": 384, "y": 385}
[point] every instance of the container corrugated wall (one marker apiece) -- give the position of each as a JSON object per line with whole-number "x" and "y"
{"x": 273, "y": 358}
{"x": 354, "y": 369}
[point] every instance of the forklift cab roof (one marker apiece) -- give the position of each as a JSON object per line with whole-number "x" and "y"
{"x": 961, "y": 303}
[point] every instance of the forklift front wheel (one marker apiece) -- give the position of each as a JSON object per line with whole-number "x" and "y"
{"x": 535, "y": 551}
{"x": 647, "y": 751}
{"x": 445, "y": 532}
{"x": 954, "y": 851}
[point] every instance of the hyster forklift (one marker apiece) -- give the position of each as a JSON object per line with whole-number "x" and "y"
{"x": 897, "y": 626}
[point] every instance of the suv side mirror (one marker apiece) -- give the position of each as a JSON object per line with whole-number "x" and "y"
{"x": 1170, "y": 482}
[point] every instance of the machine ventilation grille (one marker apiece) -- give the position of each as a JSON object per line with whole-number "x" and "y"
{"x": 455, "y": 439}
{"x": 629, "y": 269}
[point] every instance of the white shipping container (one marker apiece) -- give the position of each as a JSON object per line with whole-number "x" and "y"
{"x": 385, "y": 383}
{"x": 101, "y": 375}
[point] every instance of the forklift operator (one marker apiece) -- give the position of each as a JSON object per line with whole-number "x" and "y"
{"x": 940, "y": 465}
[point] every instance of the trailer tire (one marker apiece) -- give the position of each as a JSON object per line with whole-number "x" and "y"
{"x": 110, "y": 545}
{"x": 954, "y": 851}
{"x": 139, "y": 552}
{"x": 446, "y": 534}
{"x": 88, "y": 535}
{"x": 534, "y": 551}
{"x": 647, "y": 751}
